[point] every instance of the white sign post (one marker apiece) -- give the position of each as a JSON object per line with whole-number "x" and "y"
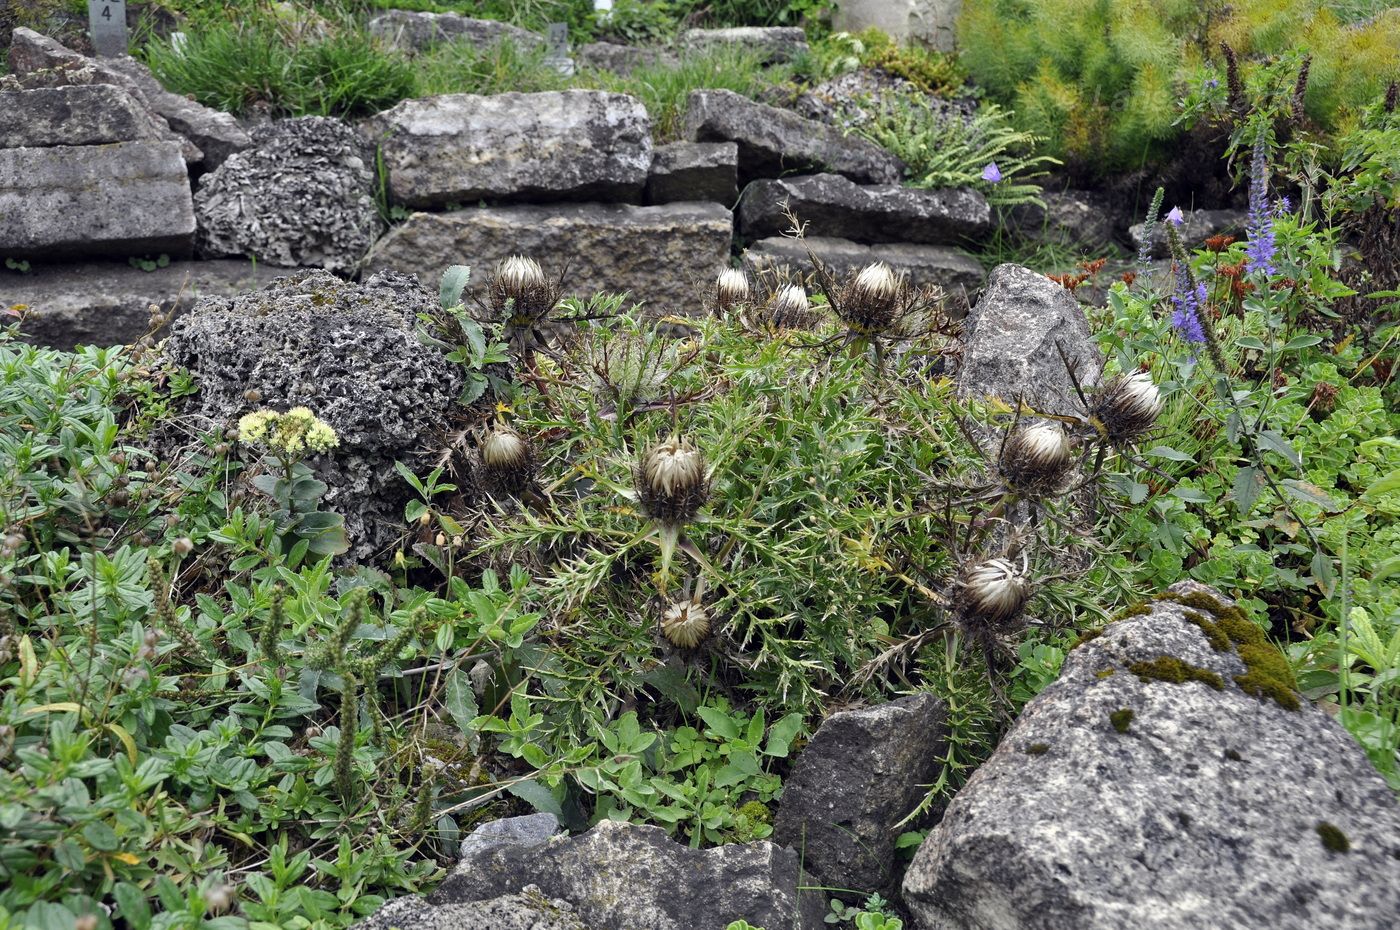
{"x": 557, "y": 37}
{"x": 108, "y": 21}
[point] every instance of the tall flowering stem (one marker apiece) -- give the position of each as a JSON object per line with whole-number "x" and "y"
{"x": 1261, "y": 248}
{"x": 1149, "y": 227}
{"x": 1190, "y": 318}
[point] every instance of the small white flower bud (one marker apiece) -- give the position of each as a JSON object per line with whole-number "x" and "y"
{"x": 671, "y": 481}
{"x": 992, "y": 592}
{"x": 731, "y": 289}
{"x": 1127, "y": 407}
{"x": 1035, "y": 458}
{"x": 685, "y": 623}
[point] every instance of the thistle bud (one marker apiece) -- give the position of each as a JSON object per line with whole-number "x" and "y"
{"x": 685, "y": 623}
{"x": 1035, "y": 458}
{"x": 789, "y": 308}
{"x": 520, "y": 292}
{"x": 182, "y": 546}
{"x": 869, "y": 301}
{"x": 731, "y": 289}
{"x": 440, "y": 540}
{"x": 992, "y": 592}
{"x": 671, "y": 481}
{"x": 1127, "y": 407}
{"x": 507, "y": 462}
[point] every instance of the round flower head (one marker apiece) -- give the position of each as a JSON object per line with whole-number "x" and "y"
{"x": 790, "y": 307}
{"x": 519, "y": 292}
{"x": 1127, "y": 407}
{"x": 731, "y": 289}
{"x": 507, "y": 462}
{"x": 868, "y": 303}
{"x": 992, "y": 592}
{"x": 1034, "y": 458}
{"x": 685, "y": 623}
{"x": 297, "y": 430}
{"x": 671, "y": 481}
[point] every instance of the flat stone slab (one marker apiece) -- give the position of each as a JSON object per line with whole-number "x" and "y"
{"x": 655, "y": 253}
{"x": 832, "y": 205}
{"x": 773, "y": 43}
{"x": 125, "y": 199}
{"x": 959, "y": 275}
{"x": 1147, "y": 788}
{"x": 774, "y": 141}
{"x": 456, "y": 149}
{"x": 694, "y": 171}
{"x": 414, "y": 31}
{"x": 108, "y": 303}
{"x": 93, "y": 115}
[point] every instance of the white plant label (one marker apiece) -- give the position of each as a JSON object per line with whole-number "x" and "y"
{"x": 108, "y": 22}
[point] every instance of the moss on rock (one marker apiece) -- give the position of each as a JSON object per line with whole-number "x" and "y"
{"x": 1174, "y": 670}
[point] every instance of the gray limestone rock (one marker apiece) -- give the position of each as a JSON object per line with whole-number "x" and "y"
{"x": 772, "y": 43}
{"x": 414, "y": 31}
{"x": 348, "y": 352}
{"x": 1122, "y": 799}
{"x": 123, "y": 199}
{"x": 931, "y": 23}
{"x": 1081, "y": 220}
{"x": 301, "y": 197}
{"x": 655, "y": 253}
{"x": 626, "y": 877}
{"x": 1010, "y": 338}
{"x": 694, "y": 171}
{"x": 958, "y": 274}
{"x": 37, "y": 60}
{"x": 864, "y": 771}
{"x": 552, "y": 146}
{"x": 108, "y": 303}
{"x": 93, "y": 115}
{"x": 1197, "y": 226}
{"x": 831, "y": 205}
{"x": 528, "y": 910}
{"x": 620, "y": 59}
{"x": 774, "y": 141}
{"x": 527, "y": 830}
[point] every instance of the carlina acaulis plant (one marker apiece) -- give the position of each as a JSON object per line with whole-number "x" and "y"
{"x": 520, "y": 293}
{"x": 991, "y": 594}
{"x": 869, "y": 302}
{"x": 685, "y": 623}
{"x": 672, "y": 483}
{"x": 731, "y": 291}
{"x": 1126, "y": 408}
{"x": 507, "y": 461}
{"x": 1035, "y": 458}
{"x": 786, "y": 308}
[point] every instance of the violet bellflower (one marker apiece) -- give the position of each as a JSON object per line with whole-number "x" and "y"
{"x": 1261, "y": 248}
{"x": 1190, "y": 303}
{"x": 991, "y": 173}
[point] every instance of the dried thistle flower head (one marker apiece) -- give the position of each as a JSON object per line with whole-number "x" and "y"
{"x": 671, "y": 481}
{"x": 1035, "y": 458}
{"x": 685, "y": 623}
{"x": 520, "y": 294}
{"x": 731, "y": 290}
{"x": 992, "y": 592}
{"x": 1127, "y": 407}
{"x": 507, "y": 461}
{"x": 869, "y": 302}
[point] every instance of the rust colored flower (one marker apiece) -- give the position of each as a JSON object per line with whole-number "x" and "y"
{"x": 1219, "y": 243}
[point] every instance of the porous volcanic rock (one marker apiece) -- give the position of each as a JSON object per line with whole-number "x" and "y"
{"x": 864, "y": 771}
{"x": 694, "y": 171}
{"x": 558, "y": 145}
{"x": 958, "y": 274}
{"x": 655, "y": 253}
{"x": 772, "y": 44}
{"x": 627, "y": 877}
{"x": 124, "y": 199}
{"x": 835, "y": 206}
{"x": 1010, "y": 339}
{"x": 108, "y": 303}
{"x": 1147, "y": 788}
{"x": 349, "y": 353}
{"x": 773, "y": 141}
{"x": 415, "y": 31}
{"x": 301, "y": 197}
{"x": 38, "y": 61}
{"x": 528, "y": 910}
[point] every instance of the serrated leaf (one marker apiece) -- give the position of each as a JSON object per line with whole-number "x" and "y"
{"x": 1167, "y": 452}
{"x": 460, "y": 700}
{"x": 1310, "y": 494}
{"x": 537, "y": 796}
{"x": 1246, "y": 488}
{"x": 1273, "y": 440}
{"x": 454, "y": 282}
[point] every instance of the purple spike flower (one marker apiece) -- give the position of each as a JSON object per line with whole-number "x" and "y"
{"x": 1261, "y": 248}
{"x": 1189, "y": 302}
{"x": 991, "y": 173}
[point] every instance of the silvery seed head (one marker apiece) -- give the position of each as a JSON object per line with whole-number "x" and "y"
{"x": 1035, "y": 458}
{"x": 507, "y": 461}
{"x": 869, "y": 302}
{"x": 731, "y": 290}
{"x": 671, "y": 481}
{"x": 520, "y": 294}
{"x": 1127, "y": 407}
{"x": 518, "y": 273}
{"x": 992, "y": 592}
{"x": 685, "y": 623}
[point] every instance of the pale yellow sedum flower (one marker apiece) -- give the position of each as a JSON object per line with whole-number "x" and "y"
{"x": 289, "y": 433}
